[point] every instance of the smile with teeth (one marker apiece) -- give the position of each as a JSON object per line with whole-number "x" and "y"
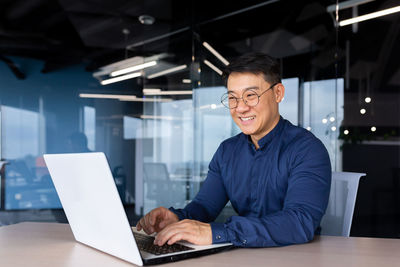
{"x": 247, "y": 118}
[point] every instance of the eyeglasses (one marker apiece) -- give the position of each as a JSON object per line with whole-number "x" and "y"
{"x": 249, "y": 97}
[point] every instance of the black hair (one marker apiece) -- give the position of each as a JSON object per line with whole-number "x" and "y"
{"x": 255, "y": 63}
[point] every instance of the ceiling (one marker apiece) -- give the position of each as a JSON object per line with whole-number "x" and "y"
{"x": 301, "y": 33}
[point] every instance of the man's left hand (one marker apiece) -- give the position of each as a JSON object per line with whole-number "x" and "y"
{"x": 195, "y": 232}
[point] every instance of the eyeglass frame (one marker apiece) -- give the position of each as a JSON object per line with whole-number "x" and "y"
{"x": 238, "y": 98}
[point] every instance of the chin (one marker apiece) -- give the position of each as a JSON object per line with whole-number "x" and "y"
{"x": 247, "y": 132}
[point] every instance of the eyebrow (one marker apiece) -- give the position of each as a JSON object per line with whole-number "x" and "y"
{"x": 247, "y": 88}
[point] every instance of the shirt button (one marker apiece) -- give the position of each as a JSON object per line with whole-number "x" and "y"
{"x": 218, "y": 237}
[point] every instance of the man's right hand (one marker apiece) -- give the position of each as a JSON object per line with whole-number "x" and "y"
{"x": 156, "y": 220}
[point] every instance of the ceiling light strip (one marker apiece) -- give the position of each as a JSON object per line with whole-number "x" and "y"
{"x": 106, "y": 96}
{"x": 215, "y": 53}
{"x": 124, "y": 98}
{"x": 121, "y": 78}
{"x": 148, "y": 100}
{"x": 212, "y": 66}
{"x": 150, "y": 90}
{"x": 167, "y": 71}
{"x": 181, "y": 92}
{"x": 133, "y": 68}
{"x": 370, "y": 16}
{"x": 160, "y": 117}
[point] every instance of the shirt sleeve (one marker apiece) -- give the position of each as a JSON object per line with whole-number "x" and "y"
{"x": 304, "y": 205}
{"x": 211, "y": 198}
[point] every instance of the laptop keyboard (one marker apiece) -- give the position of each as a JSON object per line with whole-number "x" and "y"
{"x": 145, "y": 243}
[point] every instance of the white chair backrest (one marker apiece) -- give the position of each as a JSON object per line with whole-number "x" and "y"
{"x": 342, "y": 199}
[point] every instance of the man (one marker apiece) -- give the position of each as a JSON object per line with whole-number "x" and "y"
{"x": 276, "y": 175}
{"x": 77, "y": 142}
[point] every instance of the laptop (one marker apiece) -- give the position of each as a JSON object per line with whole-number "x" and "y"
{"x": 97, "y": 218}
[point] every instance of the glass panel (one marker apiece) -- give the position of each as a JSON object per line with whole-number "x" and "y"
{"x": 370, "y": 132}
{"x": 44, "y": 114}
{"x": 168, "y": 156}
{"x": 26, "y": 183}
{"x": 2, "y": 168}
{"x": 213, "y": 124}
{"x": 323, "y": 114}
{"x": 289, "y": 107}
{"x": 164, "y": 159}
{"x": 89, "y": 129}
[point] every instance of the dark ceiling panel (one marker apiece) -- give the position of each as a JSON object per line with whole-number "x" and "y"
{"x": 66, "y": 32}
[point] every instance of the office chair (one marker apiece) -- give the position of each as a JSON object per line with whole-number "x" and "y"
{"x": 339, "y": 214}
{"x": 157, "y": 182}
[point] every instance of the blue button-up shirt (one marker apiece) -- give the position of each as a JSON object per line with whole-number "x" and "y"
{"x": 279, "y": 191}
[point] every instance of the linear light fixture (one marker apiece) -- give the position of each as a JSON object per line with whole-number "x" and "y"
{"x": 167, "y": 71}
{"x": 215, "y": 53}
{"x": 133, "y": 68}
{"x": 213, "y": 67}
{"x": 121, "y": 78}
{"x": 127, "y": 63}
{"x": 181, "y": 92}
{"x": 148, "y": 100}
{"x": 370, "y": 16}
{"x": 186, "y": 81}
{"x": 158, "y": 117}
{"x": 125, "y": 98}
{"x": 106, "y": 96}
{"x": 150, "y": 90}
{"x": 211, "y": 106}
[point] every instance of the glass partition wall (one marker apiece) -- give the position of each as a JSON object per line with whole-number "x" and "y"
{"x": 160, "y": 130}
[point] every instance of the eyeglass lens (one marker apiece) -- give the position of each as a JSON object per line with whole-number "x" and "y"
{"x": 249, "y": 97}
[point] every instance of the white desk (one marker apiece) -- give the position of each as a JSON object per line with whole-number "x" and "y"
{"x": 52, "y": 245}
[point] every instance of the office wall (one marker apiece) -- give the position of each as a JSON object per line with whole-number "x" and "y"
{"x": 43, "y": 113}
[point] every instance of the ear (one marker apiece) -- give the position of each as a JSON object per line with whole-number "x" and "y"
{"x": 279, "y": 92}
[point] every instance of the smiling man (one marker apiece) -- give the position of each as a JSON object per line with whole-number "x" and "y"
{"x": 276, "y": 175}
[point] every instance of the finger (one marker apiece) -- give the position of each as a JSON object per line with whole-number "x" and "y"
{"x": 138, "y": 226}
{"x": 162, "y": 224}
{"x": 145, "y": 226}
{"x": 146, "y": 219}
{"x": 153, "y": 215}
{"x": 178, "y": 237}
{"x": 171, "y": 230}
{"x": 148, "y": 228}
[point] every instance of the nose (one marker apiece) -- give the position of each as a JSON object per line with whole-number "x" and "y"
{"x": 241, "y": 106}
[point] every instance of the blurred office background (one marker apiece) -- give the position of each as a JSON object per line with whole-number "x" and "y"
{"x": 160, "y": 128}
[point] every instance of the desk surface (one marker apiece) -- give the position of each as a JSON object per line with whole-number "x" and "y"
{"x": 52, "y": 244}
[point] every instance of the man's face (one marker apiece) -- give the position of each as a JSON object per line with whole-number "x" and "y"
{"x": 259, "y": 120}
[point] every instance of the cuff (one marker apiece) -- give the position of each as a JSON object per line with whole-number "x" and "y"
{"x": 219, "y": 233}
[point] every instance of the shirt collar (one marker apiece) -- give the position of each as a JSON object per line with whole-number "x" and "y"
{"x": 269, "y": 136}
